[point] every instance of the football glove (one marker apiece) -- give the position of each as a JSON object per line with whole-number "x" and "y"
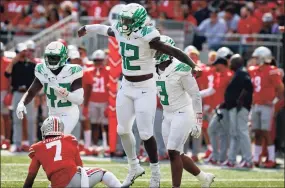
{"x": 20, "y": 109}
{"x": 196, "y": 130}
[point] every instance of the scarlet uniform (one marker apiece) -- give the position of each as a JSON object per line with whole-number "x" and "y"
{"x": 4, "y": 83}
{"x": 98, "y": 78}
{"x": 265, "y": 78}
{"x": 59, "y": 157}
{"x": 221, "y": 81}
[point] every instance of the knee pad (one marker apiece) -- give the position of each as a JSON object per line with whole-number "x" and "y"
{"x": 121, "y": 130}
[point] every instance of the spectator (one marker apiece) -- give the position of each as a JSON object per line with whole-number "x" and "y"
{"x": 99, "y": 10}
{"x": 83, "y": 55}
{"x": 151, "y": 8}
{"x": 213, "y": 28}
{"x": 20, "y": 21}
{"x": 31, "y": 47}
{"x": 203, "y": 12}
{"x": 74, "y": 57}
{"x": 247, "y": 24}
{"x": 231, "y": 18}
{"x": 68, "y": 9}
{"x": 21, "y": 72}
{"x": 11, "y": 9}
{"x": 238, "y": 99}
{"x": 52, "y": 17}
{"x": 268, "y": 25}
{"x": 38, "y": 20}
{"x": 5, "y": 118}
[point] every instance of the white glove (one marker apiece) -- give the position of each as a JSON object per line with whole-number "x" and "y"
{"x": 60, "y": 91}
{"x": 20, "y": 109}
{"x": 196, "y": 130}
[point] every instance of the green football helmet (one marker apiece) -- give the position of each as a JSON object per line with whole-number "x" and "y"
{"x": 55, "y": 55}
{"x": 159, "y": 56}
{"x": 131, "y": 18}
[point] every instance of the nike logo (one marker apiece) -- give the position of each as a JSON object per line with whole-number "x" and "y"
{"x": 143, "y": 92}
{"x": 181, "y": 112}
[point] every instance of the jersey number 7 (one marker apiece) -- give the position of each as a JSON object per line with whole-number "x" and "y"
{"x": 57, "y": 145}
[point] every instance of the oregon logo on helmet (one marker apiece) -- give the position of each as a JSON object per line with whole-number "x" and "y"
{"x": 131, "y": 18}
{"x": 55, "y": 55}
{"x": 160, "y": 57}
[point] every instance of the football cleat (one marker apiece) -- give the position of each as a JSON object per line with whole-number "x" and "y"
{"x": 228, "y": 164}
{"x": 207, "y": 154}
{"x": 269, "y": 164}
{"x": 208, "y": 180}
{"x": 25, "y": 148}
{"x": 133, "y": 174}
{"x": 5, "y": 144}
{"x": 154, "y": 180}
{"x": 245, "y": 165}
{"x": 212, "y": 161}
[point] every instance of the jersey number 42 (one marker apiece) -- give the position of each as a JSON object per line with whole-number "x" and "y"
{"x": 53, "y": 98}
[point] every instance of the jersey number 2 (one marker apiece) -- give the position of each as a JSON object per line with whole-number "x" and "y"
{"x": 163, "y": 92}
{"x": 57, "y": 145}
{"x": 52, "y": 97}
{"x": 127, "y": 59}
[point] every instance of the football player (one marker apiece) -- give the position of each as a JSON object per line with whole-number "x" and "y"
{"x": 268, "y": 89}
{"x": 62, "y": 85}
{"x": 182, "y": 112}
{"x": 59, "y": 156}
{"x": 95, "y": 82}
{"x": 138, "y": 41}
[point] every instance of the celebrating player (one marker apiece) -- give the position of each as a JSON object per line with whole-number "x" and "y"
{"x": 138, "y": 41}
{"x": 59, "y": 156}
{"x": 268, "y": 87}
{"x": 62, "y": 86}
{"x": 182, "y": 111}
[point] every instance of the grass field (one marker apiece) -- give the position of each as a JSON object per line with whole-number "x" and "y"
{"x": 14, "y": 169}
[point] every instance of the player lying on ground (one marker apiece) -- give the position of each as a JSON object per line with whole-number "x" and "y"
{"x": 182, "y": 112}
{"x": 62, "y": 86}
{"x": 59, "y": 156}
{"x": 138, "y": 41}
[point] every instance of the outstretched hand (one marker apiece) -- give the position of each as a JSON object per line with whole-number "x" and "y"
{"x": 81, "y": 31}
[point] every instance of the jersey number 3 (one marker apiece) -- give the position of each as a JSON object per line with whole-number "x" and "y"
{"x": 127, "y": 59}
{"x": 163, "y": 92}
{"x": 52, "y": 97}
{"x": 57, "y": 145}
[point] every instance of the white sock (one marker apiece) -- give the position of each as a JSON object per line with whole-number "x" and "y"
{"x": 25, "y": 142}
{"x": 2, "y": 137}
{"x": 87, "y": 138}
{"x": 257, "y": 152}
{"x": 154, "y": 167}
{"x": 129, "y": 145}
{"x": 271, "y": 152}
{"x": 111, "y": 180}
{"x": 209, "y": 147}
{"x": 201, "y": 176}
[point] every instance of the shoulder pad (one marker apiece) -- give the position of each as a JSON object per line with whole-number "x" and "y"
{"x": 74, "y": 72}
{"x": 71, "y": 138}
{"x": 274, "y": 71}
{"x": 148, "y": 33}
{"x": 75, "y": 69}
{"x": 182, "y": 67}
{"x": 39, "y": 68}
{"x": 32, "y": 150}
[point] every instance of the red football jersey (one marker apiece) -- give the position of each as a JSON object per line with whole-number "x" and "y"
{"x": 98, "y": 78}
{"x": 265, "y": 79}
{"x": 208, "y": 81}
{"x": 59, "y": 157}
{"x": 221, "y": 82}
{"x": 4, "y": 81}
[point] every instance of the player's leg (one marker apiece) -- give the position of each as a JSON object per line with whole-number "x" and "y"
{"x": 17, "y": 123}
{"x": 125, "y": 115}
{"x": 70, "y": 119}
{"x": 145, "y": 107}
{"x": 266, "y": 119}
{"x": 196, "y": 145}
{"x": 256, "y": 126}
{"x": 206, "y": 120}
{"x": 103, "y": 121}
{"x": 224, "y": 136}
{"x": 94, "y": 113}
{"x": 157, "y": 133}
{"x": 244, "y": 139}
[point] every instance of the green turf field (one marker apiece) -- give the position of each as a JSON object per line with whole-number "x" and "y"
{"x": 14, "y": 169}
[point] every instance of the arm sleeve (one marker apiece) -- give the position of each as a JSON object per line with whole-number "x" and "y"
{"x": 76, "y": 96}
{"x": 97, "y": 28}
{"x": 207, "y": 92}
{"x": 34, "y": 166}
{"x": 191, "y": 87}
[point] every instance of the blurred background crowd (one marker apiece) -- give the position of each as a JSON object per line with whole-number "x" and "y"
{"x": 207, "y": 25}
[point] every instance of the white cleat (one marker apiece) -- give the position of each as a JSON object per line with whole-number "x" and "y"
{"x": 154, "y": 180}
{"x": 133, "y": 174}
{"x": 208, "y": 180}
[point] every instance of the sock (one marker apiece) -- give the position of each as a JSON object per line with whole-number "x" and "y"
{"x": 209, "y": 147}
{"x": 201, "y": 176}
{"x": 257, "y": 152}
{"x": 111, "y": 180}
{"x": 129, "y": 145}
{"x": 154, "y": 167}
{"x": 87, "y": 138}
{"x": 2, "y": 137}
{"x": 25, "y": 142}
{"x": 271, "y": 152}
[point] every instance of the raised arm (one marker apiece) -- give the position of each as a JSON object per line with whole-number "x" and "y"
{"x": 32, "y": 91}
{"x": 96, "y": 28}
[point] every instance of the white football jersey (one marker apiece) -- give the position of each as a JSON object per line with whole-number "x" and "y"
{"x": 137, "y": 57}
{"x": 65, "y": 78}
{"x": 176, "y": 86}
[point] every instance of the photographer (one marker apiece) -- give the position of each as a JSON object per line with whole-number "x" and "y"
{"x": 21, "y": 72}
